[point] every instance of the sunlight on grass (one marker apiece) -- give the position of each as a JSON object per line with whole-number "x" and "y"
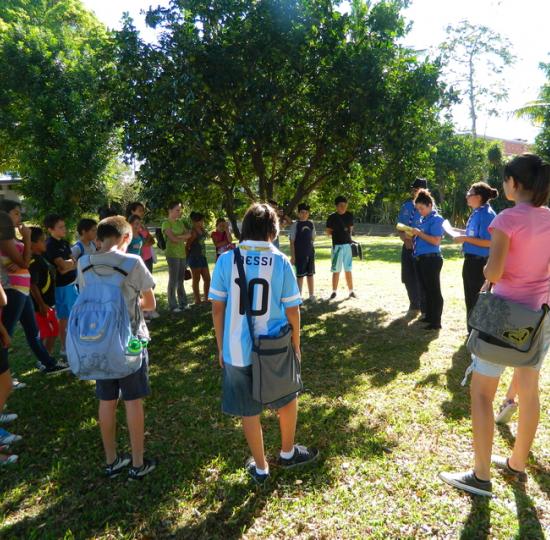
{"x": 382, "y": 401}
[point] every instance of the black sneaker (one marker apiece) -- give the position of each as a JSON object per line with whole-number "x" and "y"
{"x": 467, "y": 481}
{"x": 504, "y": 467}
{"x": 115, "y": 468}
{"x": 55, "y": 369}
{"x": 250, "y": 466}
{"x": 302, "y": 456}
{"x": 137, "y": 473}
{"x": 352, "y": 295}
{"x": 332, "y": 296}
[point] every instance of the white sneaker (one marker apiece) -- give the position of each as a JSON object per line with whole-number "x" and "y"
{"x": 154, "y": 314}
{"x": 176, "y": 310}
{"x": 506, "y": 411}
{"x": 6, "y": 418}
{"x": 312, "y": 298}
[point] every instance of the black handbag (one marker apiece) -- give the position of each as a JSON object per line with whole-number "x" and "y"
{"x": 275, "y": 367}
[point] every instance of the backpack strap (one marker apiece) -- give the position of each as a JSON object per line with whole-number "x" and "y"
{"x": 245, "y": 300}
{"x": 121, "y": 271}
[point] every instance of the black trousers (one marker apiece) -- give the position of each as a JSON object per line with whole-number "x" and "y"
{"x": 430, "y": 270}
{"x": 411, "y": 279}
{"x": 473, "y": 279}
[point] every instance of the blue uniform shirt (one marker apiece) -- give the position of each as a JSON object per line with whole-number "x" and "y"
{"x": 432, "y": 224}
{"x": 272, "y": 288}
{"x": 408, "y": 214}
{"x": 478, "y": 227}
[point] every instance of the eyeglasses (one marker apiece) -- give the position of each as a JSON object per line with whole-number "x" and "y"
{"x": 470, "y": 194}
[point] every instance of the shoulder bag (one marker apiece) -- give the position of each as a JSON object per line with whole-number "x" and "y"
{"x": 506, "y": 333}
{"x": 275, "y": 367}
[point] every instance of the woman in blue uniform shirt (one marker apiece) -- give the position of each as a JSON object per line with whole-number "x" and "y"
{"x": 427, "y": 253}
{"x": 476, "y": 240}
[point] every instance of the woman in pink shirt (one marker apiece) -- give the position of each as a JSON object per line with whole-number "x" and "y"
{"x": 519, "y": 268}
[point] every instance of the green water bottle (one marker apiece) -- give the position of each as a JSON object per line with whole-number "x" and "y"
{"x": 134, "y": 346}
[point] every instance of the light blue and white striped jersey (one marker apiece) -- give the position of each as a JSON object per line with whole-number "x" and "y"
{"x": 272, "y": 288}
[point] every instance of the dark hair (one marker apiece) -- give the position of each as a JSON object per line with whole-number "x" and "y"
{"x": 173, "y": 204}
{"x": 7, "y": 205}
{"x": 273, "y": 203}
{"x": 112, "y": 227}
{"x": 485, "y": 191}
{"x": 220, "y": 220}
{"x": 85, "y": 224}
{"x": 533, "y": 173}
{"x": 303, "y": 206}
{"x": 424, "y": 197}
{"x": 51, "y": 220}
{"x": 196, "y": 216}
{"x": 133, "y": 206}
{"x": 36, "y": 234}
{"x": 106, "y": 211}
{"x": 260, "y": 223}
{"x": 133, "y": 218}
{"x": 340, "y": 199}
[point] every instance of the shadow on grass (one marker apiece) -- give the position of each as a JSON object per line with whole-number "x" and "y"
{"x": 59, "y": 474}
{"x": 459, "y": 405}
{"x": 478, "y": 523}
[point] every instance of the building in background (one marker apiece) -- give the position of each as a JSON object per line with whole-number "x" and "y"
{"x": 8, "y": 186}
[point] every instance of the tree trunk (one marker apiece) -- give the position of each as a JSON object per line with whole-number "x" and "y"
{"x": 229, "y": 207}
{"x": 472, "y": 97}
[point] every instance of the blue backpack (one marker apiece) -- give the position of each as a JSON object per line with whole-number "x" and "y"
{"x": 99, "y": 329}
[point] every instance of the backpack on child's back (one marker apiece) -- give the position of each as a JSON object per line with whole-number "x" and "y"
{"x": 101, "y": 343}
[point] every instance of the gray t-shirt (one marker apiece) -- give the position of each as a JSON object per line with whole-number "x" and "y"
{"x": 139, "y": 279}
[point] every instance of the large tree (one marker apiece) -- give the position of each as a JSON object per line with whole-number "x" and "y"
{"x": 248, "y": 100}
{"x": 475, "y": 58}
{"x": 55, "y": 121}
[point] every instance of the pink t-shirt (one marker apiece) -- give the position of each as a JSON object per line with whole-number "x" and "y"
{"x": 526, "y": 276}
{"x": 146, "y": 251}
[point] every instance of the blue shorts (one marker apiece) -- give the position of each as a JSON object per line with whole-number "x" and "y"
{"x": 197, "y": 261}
{"x": 65, "y": 297}
{"x": 237, "y": 393}
{"x": 341, "y": 257}
{"x": 134, "y": 386}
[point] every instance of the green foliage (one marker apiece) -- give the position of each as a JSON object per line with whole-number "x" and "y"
{"x": 246, "y": 100}
{"x": 469, "y": 51}
{"x": 541, "y": 114}
{"x": 55, "y": 121}
{"x": 460, "y": 160}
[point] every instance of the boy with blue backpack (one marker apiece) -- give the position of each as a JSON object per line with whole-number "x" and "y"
{"x": 86, "y": 243}
{"x": 107, "y": 340}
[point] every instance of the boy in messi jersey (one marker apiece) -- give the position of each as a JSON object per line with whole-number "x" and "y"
{"x": 275, "y": 300}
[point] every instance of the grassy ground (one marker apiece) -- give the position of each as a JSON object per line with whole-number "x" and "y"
{"x": 383, "y": 403}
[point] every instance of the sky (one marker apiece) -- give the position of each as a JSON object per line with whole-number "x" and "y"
{"x": 524, "y": 23}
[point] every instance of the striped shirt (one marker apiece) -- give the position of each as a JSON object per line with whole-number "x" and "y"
{"x": 272, "y": 288}
{"x": 20, "y": 280}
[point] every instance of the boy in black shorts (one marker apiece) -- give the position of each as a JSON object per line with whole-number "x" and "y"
{"x": 115, "y": 234}
{"x": 302, "y": 235}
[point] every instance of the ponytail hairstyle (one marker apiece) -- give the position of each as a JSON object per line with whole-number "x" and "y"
{"x": 533, "y": 173}
{"x": 424, "y": 197}
{"x": 485, "y": 191}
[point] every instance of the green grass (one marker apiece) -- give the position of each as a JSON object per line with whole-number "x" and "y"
{"x": 383, "y": 403}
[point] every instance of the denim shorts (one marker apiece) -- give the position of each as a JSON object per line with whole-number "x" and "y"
{"x": 134, "y": 386}
{"x": 65, "y": 297}
{"x": 197, "y": 261}
{"x": 237, "y": 393}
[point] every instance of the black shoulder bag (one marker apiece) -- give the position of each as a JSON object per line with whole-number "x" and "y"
{"x": 275, "y": 367}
